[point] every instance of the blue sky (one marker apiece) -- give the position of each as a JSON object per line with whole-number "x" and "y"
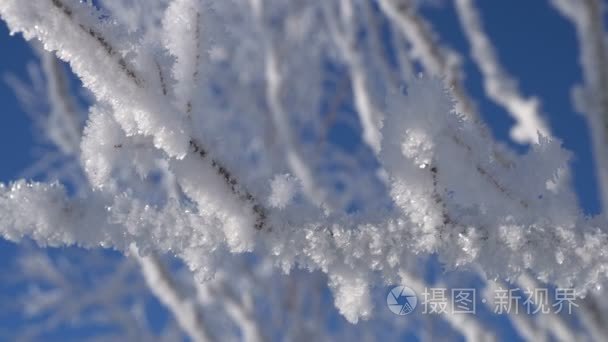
{"x": 16, "y": 140}
{"x": 534, "y": 43}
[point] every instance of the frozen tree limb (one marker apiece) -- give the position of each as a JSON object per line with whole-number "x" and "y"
{"x": 437, "y": 60}
{"x": 162, "y": 286}
{"x": 65, "y": 119}
{"x": 239, "y": 307}
{"x": 592, "y": 98}
{"x": 279, "y": 116}
{"x": 552, "y": 323}
{"x": 55, "y": 298}
{"x": 498, "y": 85}
{"x": 471, "y": 329}
{"x": 447, "y": 188}
{"x": 345, "y": 38}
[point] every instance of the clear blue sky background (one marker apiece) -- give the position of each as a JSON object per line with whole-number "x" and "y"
{"x": 534, "y": 43}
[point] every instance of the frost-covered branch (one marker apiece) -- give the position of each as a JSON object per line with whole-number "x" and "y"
{"x": 592, "y": 97}
{"x": 238, "y": 306}
{"x": 181, "y": 157}
{"x": 75, "y": 32}
{"x": 437, "y": 60}
{"x": 344, "y": 33}
{"x": 498, "y": 84}
{"x": 471, "y": 329}
{"x": 65, "y": 116}
{"x": 161, "y": 284}
{"x": 56, "y": 295}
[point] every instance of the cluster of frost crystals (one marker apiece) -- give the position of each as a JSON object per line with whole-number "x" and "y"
{"x": 101, "y": 53}
{"x": 284, "y": 188}
{"x": 267, "y": 127}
